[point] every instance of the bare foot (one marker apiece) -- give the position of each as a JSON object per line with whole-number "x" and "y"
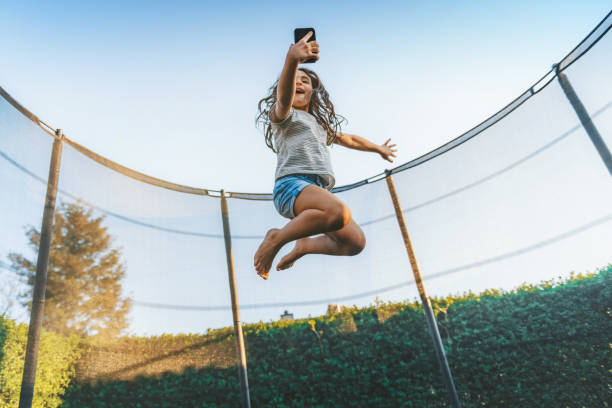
{"x": 265, "y": 253}
{"x": 297, "y": 252}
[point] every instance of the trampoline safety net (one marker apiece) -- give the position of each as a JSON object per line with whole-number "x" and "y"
{"x": 524, "y": 197}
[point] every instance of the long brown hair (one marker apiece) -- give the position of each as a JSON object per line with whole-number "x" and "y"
{"x": 320, "y": 107}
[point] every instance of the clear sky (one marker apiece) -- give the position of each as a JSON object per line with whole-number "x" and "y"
{"x": 170, "y": 89}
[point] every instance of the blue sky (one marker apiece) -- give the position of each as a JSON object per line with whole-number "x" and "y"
{"x": 170, "y": 89}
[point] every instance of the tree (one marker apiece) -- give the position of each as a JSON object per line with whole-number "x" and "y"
{"x": 84, "y": 292}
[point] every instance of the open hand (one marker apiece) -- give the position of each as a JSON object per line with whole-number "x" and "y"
{"x": 387, "y": 151}
{"x": 303, "y": 50}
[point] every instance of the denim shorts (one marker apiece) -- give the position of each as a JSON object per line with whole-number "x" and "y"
{"x": 286, "y": 190}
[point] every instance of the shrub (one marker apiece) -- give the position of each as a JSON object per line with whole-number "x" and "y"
{"x": 56, "y": 359}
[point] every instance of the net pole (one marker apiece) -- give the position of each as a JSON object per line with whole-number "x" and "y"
{"x": 40, "y": 281}
{"x": 429, "y": 314}
{"x": 585, "y": 119}
{"x": 240, "y": 349}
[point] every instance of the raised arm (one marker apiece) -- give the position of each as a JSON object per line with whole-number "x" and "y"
{"x": 298, "y": 52}
{"x": 385, "y": 150}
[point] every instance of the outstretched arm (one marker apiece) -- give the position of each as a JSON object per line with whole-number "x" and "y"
{"x": 385, "y": 150}
{"x": 298, "y": 52}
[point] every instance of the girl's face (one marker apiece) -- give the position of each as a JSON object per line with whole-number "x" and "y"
{"x": 303, "y": 91}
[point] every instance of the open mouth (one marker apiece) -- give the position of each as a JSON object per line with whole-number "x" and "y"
{"x": 299, "y": 91}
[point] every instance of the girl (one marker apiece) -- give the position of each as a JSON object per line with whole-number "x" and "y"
{"x": 299, "y": 123}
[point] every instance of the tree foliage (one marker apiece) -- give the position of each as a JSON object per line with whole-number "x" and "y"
{"x": 84, "y": 292}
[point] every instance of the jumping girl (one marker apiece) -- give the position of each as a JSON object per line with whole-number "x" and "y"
{"x": 299, "y": 124}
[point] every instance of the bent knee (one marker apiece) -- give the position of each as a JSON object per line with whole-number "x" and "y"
{"x": 357, "y": 246}
{"x": 338, "y": 217}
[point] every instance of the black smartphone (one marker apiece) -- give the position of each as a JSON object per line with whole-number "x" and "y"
{"x": 298, "y": 33}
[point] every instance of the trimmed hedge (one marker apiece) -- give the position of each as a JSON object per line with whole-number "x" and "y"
{"x": 56, "y": 358}
{"x": 129, "y": 357}
{"x": 538, "y": 346}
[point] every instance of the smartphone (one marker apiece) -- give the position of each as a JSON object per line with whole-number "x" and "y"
{"x": 298, "y": 33}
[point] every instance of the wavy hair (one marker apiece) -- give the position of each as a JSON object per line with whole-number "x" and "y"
{"x": 320, "y": 107}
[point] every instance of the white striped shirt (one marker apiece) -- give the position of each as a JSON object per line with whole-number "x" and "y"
{"x": 301, "y": 144}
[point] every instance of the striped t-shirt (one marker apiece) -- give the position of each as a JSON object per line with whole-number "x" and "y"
{"x": 301, "y": 144}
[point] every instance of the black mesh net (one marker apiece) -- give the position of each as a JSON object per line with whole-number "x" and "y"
{"x": 522, "y": 198}
{"x": 25, "y": 151}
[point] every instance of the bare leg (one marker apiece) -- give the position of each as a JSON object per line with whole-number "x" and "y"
{"x": 318, "y": 211}
{"x": 348, "y": 241}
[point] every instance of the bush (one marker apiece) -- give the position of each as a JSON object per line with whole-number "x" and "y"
{"x": 538, "y": 346}
{"x": 56, "y": 359}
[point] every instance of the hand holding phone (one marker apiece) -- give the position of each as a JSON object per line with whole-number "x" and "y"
{"x": 307, "y": 49}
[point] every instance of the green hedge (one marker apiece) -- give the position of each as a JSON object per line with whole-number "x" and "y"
{"x": 546, "y": 345}
{"x": 154, "y": 356}
{"x": 56, "y": 361}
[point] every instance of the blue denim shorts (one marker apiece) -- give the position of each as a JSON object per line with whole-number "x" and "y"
{"x": 286, "y": 190}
